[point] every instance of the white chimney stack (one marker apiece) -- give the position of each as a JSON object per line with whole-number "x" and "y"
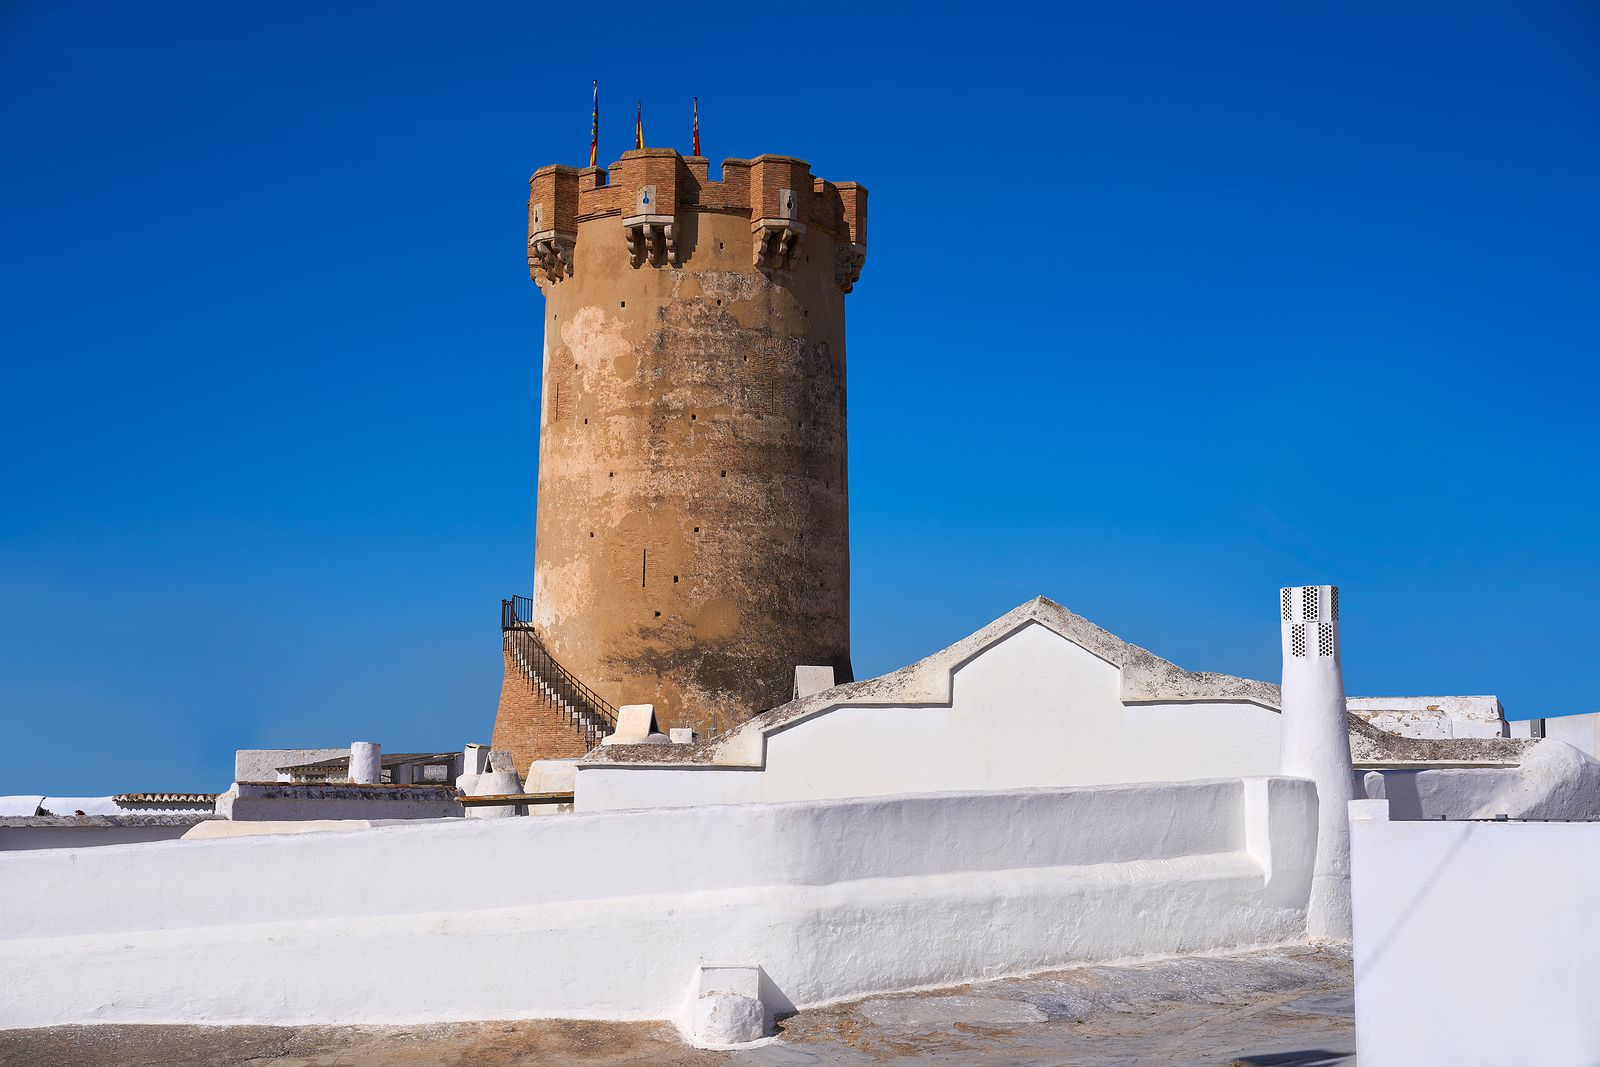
{"x": 366, "y": 762}
{"x": 1316, "y": 744}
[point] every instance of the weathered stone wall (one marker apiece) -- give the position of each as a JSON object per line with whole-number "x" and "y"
{"x": 692, "y": 532}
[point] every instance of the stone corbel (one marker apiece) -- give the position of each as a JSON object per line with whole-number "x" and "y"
{"x": 550, "y": 255}
{"x": 651, "y": 239}
{"x": 776, "y": 241}
{"x": 848, "y": 259}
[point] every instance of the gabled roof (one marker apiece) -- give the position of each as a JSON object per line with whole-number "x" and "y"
{"x": 1146, "y": 679}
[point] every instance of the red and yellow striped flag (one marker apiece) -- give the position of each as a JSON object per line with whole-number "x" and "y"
{"x": 638, "y": 127}
{"x": 697, "y": 125}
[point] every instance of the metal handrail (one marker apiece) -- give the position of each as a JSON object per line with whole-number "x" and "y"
{"x": 516, "y": 613}
{"x": 593, "y": 715}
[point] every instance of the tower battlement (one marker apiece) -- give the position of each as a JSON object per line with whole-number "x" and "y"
{"x": 653, "y": 189}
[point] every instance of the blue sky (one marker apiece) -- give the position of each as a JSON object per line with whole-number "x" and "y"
{"x": 1165, "y": 306}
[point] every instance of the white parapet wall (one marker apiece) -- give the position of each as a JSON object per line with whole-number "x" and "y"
{"x": 611, "y": 915}
{"x": 1028, "y": 706}
{"x": 1436, "y": 717}
{"x": 1435, "y": 982}
{"x": 1582, "y": 732}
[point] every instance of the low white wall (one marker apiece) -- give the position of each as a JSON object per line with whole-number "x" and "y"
{"x": 1582, "y": 732}
{"x": 261, "y": 764}
{"x": 1034, "y": 709}
{"x": 1435, "y": 983}
{"x": 1436, "y": 717}
{"x": 15, "y": 836}
{"x": 280, "y": 801}
{"x": 610, "y": 915}
{"x": 1553, "y": 781}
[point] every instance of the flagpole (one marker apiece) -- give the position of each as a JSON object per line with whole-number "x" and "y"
{"x": 594, "y": 128}
{"x": 697, "y": 125}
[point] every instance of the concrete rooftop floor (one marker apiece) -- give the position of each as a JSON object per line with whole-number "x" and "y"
{"x": 1287, "y": 1007}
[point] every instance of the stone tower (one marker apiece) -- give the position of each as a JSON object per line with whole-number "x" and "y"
{"x": 692, "y": 533}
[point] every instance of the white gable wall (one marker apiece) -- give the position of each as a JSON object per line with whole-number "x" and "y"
{"x": 1033, "y": 709}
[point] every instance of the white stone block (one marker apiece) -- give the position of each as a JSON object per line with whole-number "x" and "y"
{"x": 725, "y": 1009}
{"x": 811, "y": 679}
{"x": 681, "y": 735}
{"x": 635, "y": 725}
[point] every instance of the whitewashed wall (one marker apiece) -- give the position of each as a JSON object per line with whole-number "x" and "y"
{"x": 1437, "y": 716}
{"x": 1034, "y": 709}
{"x": 1435, "y": 983}
{"x": 609, "y": 915}
{"x": 1582, "y": 732}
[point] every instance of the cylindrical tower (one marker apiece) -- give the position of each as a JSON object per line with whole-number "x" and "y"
{"x": 692, "y": 534}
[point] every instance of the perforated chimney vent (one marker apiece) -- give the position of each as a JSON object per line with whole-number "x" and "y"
{"x": 1297, "y": 641}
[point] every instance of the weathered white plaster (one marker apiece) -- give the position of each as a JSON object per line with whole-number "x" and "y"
{"x": 1316, "y": 742}
{"x": 1435, "y": 982}
{"x": 610, "y": 915}
{"x": 1032, "y": 709}
{"x": 1039, "y": 697}
{"x": 1439, "y": 717}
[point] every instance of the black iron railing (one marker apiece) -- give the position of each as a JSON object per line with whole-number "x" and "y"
{"x": 588, "y": 712}
{"x": 516, "y": 613}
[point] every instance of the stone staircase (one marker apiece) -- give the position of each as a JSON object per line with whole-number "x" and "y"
{"x": 581, "y": 707}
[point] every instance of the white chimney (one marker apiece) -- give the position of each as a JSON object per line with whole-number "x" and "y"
{"x": 1316, "y": 744}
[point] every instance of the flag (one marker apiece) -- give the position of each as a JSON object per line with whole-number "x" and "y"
{"x": 697, "y": 125}
{"x": 594, "y": 129}
{"x": 638, "y": 127}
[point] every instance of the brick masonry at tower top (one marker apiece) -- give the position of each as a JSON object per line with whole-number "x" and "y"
{"x": 777, "y": 193}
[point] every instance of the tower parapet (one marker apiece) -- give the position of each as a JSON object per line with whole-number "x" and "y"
{"x": 652, "y": 189}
